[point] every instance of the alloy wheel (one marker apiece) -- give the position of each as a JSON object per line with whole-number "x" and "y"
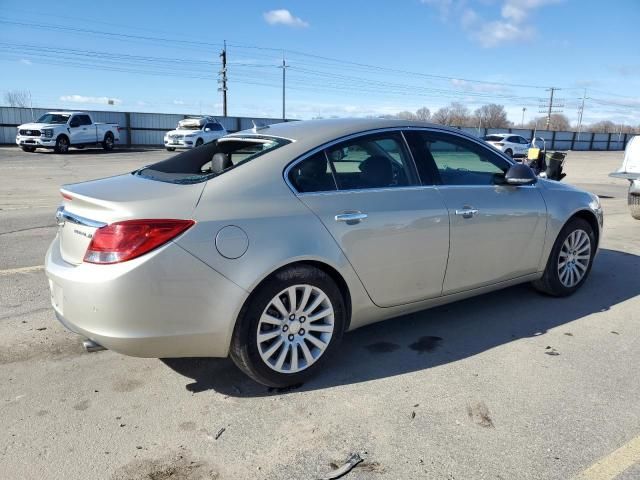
{"x": 574, "y": 257}
{"x": 295, "y": 329}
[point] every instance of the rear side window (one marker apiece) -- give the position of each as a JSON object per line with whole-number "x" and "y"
{"x": 513, "y": 139}
{"x": 211, "y": 160}
{"x": 83, "y": 120}
{"x": 313, "y": 174}
{"x": 494, "y": 138}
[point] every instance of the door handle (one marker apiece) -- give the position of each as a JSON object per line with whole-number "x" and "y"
{"x": 467, "y": 212}
{"x": 351, "y": 218}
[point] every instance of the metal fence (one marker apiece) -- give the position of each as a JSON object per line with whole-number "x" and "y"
{"x": 149, "y": 129}
{"x": 135, "y": 128}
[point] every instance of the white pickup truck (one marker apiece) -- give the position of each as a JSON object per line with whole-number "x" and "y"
{"x": 61, "y": 130}
{"x": 630, "y": 170}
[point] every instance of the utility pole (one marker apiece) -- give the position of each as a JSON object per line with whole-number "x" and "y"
{"x": 550, "y": 107}
{"x": 223, "y": 79}
{"x": 524, "y": 109}
{"x": 580, "y": 112}
{"x": 284, "y": 80}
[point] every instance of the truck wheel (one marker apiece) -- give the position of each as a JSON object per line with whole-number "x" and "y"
{"x": 171, "y": 149}
{"x": 28, "y": 149}
{"x": 107, "y": 144}
{"x": 199, "y": 142}
{"x": 62, "y": 144}
{"x": 634, "y": 205}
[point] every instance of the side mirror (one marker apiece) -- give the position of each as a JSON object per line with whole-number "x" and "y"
{"x": 520, "y": 174}
{"x": 207, "y": 129}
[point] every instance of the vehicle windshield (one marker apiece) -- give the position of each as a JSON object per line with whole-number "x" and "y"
{"x": 53, "y": 118}
{"x": 188, "y": 127}
{"x": 210, "y": 160}
{"x": 494, "y": 138}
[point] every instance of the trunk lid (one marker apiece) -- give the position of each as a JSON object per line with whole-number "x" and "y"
{"x": 89, "y": 205}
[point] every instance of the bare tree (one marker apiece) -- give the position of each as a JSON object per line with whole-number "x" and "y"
{"x": 423, "y": 114}
{"x": 558, "y": 122}
{"x": 406, "y": 115}
{"x": 453, "y": 114}
{"x": 17, "y": 98}
{"x": 492, "y": 116}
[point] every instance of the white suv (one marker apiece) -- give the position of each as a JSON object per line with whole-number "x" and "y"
{"x": 193, "y": 132}
{"x": 512, "y": 145}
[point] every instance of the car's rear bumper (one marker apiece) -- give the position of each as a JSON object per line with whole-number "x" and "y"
{"x": 164, "y": 304}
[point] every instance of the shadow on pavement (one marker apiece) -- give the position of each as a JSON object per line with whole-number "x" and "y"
{"x": 440, "y": 335}
{"x": 99, "y": 151}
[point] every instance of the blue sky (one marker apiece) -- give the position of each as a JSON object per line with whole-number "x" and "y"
{"x": 346, "y": 58}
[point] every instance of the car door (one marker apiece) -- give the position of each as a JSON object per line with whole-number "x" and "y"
{"x": 497, "y": 230}
{"x": 77, "y": 131}
{"x": 393, "y": 231}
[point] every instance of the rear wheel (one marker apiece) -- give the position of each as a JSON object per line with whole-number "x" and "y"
{"x": 62, "y": 144}
{"x": 28, "y": 149}
{"x": 107, "y": 143}
{"x": 570, "y": 261}
{"x": 634, "y": 205}
{"x": 289, "y": 327}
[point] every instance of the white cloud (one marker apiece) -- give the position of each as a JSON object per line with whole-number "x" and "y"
{"x": 284, "y": 17}
{"x": 513, "y": 23}
{"x": 90, "y": 100}
{"x": 24, "y": 61}
{"x": 178, "y": 102}
{"x": 479, "y": 87}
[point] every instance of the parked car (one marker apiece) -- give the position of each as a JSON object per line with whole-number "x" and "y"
{"x": 630, "y": 170}
{"x": 268, "y": 244}
{"x": 512, "y": 145}
{"x": 61, "y": 130}
{"x": 193, "y": 132}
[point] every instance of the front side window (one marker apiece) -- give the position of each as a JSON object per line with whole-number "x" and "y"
{"x": 457, "y": 161}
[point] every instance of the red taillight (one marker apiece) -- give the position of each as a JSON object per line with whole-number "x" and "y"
{"x": 122, "y": 241}
{"x": 66, "y": 196}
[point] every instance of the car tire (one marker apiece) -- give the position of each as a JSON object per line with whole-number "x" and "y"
{"x": 62, "y": 144}
{"x": 108, "y": 142}
{"x": 287, "y": 355}
{"x": 171, "y": 149}
{"x": 567, "y": 268}
{"x": 634, "y": 205}
{"x": 28, "y": 149}
{"x": 509, "y": 152}
{"x": 199, "y": 142}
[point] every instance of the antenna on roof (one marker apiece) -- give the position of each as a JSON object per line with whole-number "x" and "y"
{"x": 258, "y": 127}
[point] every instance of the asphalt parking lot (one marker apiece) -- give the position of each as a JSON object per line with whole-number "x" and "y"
{"x": 509, "y": 385}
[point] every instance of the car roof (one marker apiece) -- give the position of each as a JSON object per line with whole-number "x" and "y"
{"x": 308, "y": 134}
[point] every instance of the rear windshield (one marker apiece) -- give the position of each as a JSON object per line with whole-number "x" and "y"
{"x": 494, "y": 138}
{"x": 211, "y": 159}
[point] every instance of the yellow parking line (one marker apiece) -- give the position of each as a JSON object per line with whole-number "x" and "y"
{"x": 613, "y": 464}
{"x": 12, "y": 271}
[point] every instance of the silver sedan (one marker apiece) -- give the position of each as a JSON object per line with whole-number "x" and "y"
{"x": 268, "y": 244}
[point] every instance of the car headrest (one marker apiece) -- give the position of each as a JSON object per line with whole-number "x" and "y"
{"x": 377, "y": 171}
{"x": 220, "y": 162}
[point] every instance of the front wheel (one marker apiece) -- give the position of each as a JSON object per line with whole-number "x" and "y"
{"x": 509, "y": 152}
{"x": 62, "y": 144}
{"x": 570, "y": 261}
{"x": 289, "y": 327}
{"x": 634, "y": 205}
{"x": 199, "y": 142}
{"x": 171, "y": 149}
{"x": 28, "y": 149}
